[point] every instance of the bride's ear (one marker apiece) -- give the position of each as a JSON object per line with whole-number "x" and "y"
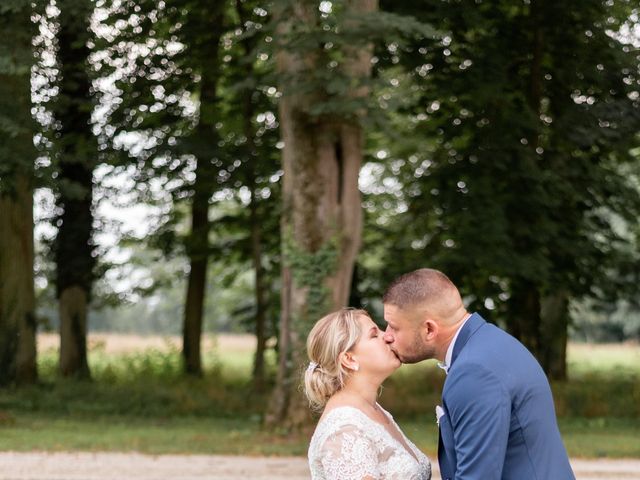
{"x": 348, "y": 361}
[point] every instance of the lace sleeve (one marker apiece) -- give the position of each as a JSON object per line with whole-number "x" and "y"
{"x": 348, "y": 454}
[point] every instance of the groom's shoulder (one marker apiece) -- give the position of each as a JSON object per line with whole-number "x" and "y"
{"x": 488, "y": 329}
{"x": 490, "y": 341}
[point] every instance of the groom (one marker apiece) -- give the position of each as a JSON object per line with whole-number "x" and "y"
{"x": 497, "y": 419}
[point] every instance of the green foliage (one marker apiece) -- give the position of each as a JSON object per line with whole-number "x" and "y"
{"x": 205, "y": 122}
{"x": 17, "y": 155}
{"x": 513, "y": 166}
{"x": 608, "y": 322}
{"x": 328, "y": 42}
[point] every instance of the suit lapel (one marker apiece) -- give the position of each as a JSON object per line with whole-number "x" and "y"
{"x": 446, "y": 457}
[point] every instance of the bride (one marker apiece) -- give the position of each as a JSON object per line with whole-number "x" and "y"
{"x": 355, "y": 439}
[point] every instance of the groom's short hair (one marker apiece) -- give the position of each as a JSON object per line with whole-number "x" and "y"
{"x": 425, "y": 286}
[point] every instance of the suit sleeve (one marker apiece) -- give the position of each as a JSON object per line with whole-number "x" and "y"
{"x": 480, "y": 413}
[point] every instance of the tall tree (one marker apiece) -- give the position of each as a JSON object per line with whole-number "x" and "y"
{"x": 320, "y": 114}
{"x": 76, "y": 157}
{"x": 17, "y": 158}
{"x": 246, "y": 78}
{"x": 203, "y": 29}
{"x": 153, "y": 99}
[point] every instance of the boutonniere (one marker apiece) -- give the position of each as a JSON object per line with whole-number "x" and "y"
{"x": 439, "y": 414}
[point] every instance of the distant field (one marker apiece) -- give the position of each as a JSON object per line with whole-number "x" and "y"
{"x": 591, "y": 358}
{"x": 125, "y": 343}
{"x": 232, "y": 351}
{"x": 236, "y": 350}
{"x": 580, "y": 354}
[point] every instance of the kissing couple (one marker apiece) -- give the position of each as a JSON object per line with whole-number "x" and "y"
{"x": 497, "y": 419}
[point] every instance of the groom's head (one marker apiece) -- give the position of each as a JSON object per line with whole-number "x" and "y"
{"x": 423, "y": 309}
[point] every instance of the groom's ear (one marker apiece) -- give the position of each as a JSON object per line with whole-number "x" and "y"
{"x": 430, "y": 328}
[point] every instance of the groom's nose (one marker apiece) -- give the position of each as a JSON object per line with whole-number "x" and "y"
{"x": 387, "y": 336}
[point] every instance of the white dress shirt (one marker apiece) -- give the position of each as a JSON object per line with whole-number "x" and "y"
{"x": 447, "y": 359}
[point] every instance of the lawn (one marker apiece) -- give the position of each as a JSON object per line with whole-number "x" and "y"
{"x": 139, "y": 401}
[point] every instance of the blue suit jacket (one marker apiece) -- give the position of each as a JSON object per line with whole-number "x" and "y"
{"x": 499, "y": 419}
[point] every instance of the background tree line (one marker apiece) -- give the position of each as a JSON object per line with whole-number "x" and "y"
{"x": 295, "y": 156}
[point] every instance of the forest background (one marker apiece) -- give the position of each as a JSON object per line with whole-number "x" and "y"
{"x": 188, "y": 167}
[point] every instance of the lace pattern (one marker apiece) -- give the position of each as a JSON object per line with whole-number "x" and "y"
{"x": 348, "y": 445}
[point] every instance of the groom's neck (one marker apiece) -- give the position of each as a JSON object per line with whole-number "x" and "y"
{"x": 448, "y": 334}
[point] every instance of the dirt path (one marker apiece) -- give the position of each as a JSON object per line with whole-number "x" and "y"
{"x": 121, "y": 466}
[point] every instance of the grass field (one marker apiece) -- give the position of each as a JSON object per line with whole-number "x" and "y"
{"x": 139, "y": 401}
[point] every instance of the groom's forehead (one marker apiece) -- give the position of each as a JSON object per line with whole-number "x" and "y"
{"x": 393, "y": 313}
{"x": 387, "y": 310}
{"x": 396, "y": 314}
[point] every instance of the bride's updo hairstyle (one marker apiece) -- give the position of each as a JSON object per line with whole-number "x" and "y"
{"x": 329, "y": 338}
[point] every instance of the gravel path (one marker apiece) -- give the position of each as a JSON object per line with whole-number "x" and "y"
{"x": 121, "y": 466}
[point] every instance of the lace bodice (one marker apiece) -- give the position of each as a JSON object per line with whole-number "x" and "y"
{"x": 348, "y": 445}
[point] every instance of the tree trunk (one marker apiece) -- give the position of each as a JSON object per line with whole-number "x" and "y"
{"x": 251, "y": 158}
{"x": 355, "y": 298}
{"x": 197, "y": 247}
{"x": 554, "y": 326}
{"x": 256, "y": 255}
{"x": 17, "y": 299}
{"x": 540, "y": 323}
{"x": 259, "y": 291}
{"x": 524, "y": 319}
{"x": 524, "y": 322}
{"x": 17, "y": 157}
{"x": 204, "y": 44}
{"x": 322, "y": 219}
{"x": 77, "y": 157}
{"x": 26, "y": 366}
{"x": 73, "y": 332}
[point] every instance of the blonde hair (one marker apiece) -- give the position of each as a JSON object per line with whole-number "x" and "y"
{"x": 329, "y": 338}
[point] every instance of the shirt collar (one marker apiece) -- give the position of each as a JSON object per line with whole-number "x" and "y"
{"x": 447, "y": 359}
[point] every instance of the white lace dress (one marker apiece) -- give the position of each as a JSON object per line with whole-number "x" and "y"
{"x": 348, "y": 445}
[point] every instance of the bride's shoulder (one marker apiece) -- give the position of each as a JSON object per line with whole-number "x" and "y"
{"x": 338, "y": 413}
